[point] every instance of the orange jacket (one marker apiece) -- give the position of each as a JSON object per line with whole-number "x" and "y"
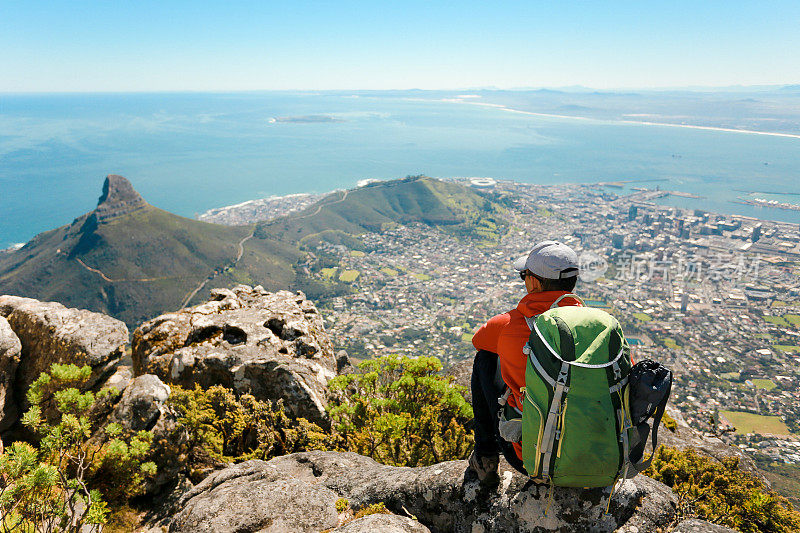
{"x": 506, "y": 334}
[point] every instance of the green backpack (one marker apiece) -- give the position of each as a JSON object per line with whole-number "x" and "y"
{"x": 576, "y": 427}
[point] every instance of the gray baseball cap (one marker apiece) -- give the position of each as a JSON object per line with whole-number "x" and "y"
{"x": 550, "y": 260}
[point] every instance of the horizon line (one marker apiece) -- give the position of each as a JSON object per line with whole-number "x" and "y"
{"x": 561, "y": 88}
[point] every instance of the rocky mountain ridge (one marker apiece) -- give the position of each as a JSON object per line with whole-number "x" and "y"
{"x": 132, "y": 260}
{"x": 119, "y": 198}
{"x": 275, "y": 345}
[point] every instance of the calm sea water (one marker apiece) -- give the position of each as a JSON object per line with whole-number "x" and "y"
{"x": 190, "y": 152}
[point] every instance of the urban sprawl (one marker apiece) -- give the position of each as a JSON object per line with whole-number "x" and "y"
{"x": 714, "y": 297}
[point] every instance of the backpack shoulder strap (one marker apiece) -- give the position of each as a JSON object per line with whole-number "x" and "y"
{"x": 568, "y": 295}
{"x": 530, "y": 320}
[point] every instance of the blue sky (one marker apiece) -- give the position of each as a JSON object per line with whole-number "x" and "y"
{"x": 121, "y": 45}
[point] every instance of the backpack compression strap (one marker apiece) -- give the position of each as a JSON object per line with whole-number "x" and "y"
{"x": 638, "y": 451}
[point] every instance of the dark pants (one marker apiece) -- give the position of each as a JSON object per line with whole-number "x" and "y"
{"x": 486, "y": 389}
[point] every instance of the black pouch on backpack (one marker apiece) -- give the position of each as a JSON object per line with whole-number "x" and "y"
{"x": 649, "y": 387}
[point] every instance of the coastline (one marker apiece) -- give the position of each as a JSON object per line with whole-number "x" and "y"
{"x": 610, "y": 121}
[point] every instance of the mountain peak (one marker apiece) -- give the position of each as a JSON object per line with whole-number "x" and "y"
{"x": 118, "y": 198}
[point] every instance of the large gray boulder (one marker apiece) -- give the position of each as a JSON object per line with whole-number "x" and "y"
{"x": 10, "y": 348}
{"x": 50, "y": 333}
{"x": 264, "y": 501}
{"x": 383, "y": 523}
{"x": 142, "y": 404}
{"x": 272, "y": 345}
{"x": 444, "y": 497}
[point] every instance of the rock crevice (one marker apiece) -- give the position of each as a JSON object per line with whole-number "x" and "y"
{"x": 271, "y": 345}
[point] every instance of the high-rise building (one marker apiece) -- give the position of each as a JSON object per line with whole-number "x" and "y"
{"x": 684, "y": 302}
{"x": 632, "y": 212}
{"x": 618, "y": 240}
{"x": 756, "y": 233}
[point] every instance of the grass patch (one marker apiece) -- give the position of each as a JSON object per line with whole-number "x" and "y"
{"x": 792, "y": 319}
{"x": 328, "y": 273}
{"x": 642, "y": 317}
{"x": 671, "y": 344}
{"x": 349, "y": 276}
{"x": 779, "y": 303}
{"x": 389, "y": 271}
{"x": 752, "y": 423}
{"x": 765, "y": 384}
{"x": 357, "y": 253}
{"x": 786, "y": 348}
{"x": 421, "y": 277}
{"x": 775, "y": 320}
{"x": 466, "y": 337}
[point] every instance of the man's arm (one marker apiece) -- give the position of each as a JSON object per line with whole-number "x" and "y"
{"x": 487, "y": 335}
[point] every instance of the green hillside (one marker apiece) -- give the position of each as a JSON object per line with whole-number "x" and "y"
{"x": 133, "y": 261}
{"x": 452, "y": 207}
{"x": 144, "y": 262}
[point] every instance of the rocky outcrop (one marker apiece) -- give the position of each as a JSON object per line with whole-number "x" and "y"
{"x": 119, "y": 198}
{"x": 272, "y": 345}
{"x": 10, "y": 349}
{"x": 299, "y": 492}
{"x": 50, "y": 333}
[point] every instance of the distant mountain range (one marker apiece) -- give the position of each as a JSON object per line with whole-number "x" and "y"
{"x": 133, "y": 261}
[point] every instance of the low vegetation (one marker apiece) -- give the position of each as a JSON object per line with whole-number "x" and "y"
{"x": 785, "y": 478}
{"x": 722, "y": 493}
{"x": 77, "y": 471}
{"x": 401, "y": 411}
{"x": 222, "y": 427}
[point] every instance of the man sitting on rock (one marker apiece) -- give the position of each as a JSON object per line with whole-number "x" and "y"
{"x": 549, "y": 271}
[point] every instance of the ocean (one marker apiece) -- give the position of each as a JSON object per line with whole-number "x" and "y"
{"x": 189, "y": 152}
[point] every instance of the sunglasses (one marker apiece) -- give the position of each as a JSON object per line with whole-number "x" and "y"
{"x": 523, "y": 275}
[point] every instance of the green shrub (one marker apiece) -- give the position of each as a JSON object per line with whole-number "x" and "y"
{"x": 342, "y": 504}
{"x": 722, "y": 493}
{"x": 55, "y": 487}
{"x": 400, "y": 411}
{"x": 225, "y": 427}
{"x": 669, "y": 423}
{"x": 375, "y": 508}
